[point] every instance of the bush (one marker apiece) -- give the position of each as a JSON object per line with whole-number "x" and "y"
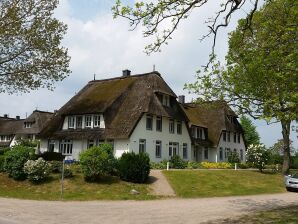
{"x": 243, "y": 165}
{"x": 233, "y": 157}
{"x": 134, "y": 167}
{"x": 177, "y": 163}
{"x": 275, "y": 159}
{"x": 67, "y": 171}
{"x": 52, "y": 156}
{"x": 37, "y": 170}
{"x": 56, "y": 166}
{"x": 159, "y": 166}
{"x": 28, "y": 143}
{"x": 193, "y": 165}
{"x": 2, "y": 161}
{"x": 221, "y": 165}
{"x": 3, "y": 151}
{"x": 15, "y": 160}
{"x": 258, "y": 156}
{"x": 95, "y": 163}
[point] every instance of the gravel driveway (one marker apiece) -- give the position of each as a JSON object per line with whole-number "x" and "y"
{"x": 14, "y": 211}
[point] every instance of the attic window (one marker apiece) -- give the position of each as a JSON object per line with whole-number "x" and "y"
{"x": 27, "y": 124}
{"x": 149, "y": 122}
{"x": 88, "y": 121}
{"x": 96, "y": 120}
{"x": 71, "y": 122}
{"x": 224, "y": 136}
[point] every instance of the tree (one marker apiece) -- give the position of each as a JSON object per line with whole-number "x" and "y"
{"x": 260, "y": 77}
{"x": 162, "y": 17}
{"x": 278, "y": 147}
{"x": 30, "y": 53}
{"x": 251, "y": 135}
{"x": 258, "y": 156}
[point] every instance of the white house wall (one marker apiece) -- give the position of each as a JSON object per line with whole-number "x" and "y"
{"x": 140, "y": 132}
{"x": 120, "y": 146}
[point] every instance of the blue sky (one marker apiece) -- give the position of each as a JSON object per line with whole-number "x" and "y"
{"x": 103, "y": 46}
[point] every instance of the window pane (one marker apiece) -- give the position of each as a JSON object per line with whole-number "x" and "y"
{"x": 158, "y": 124}
{"x": 149, "y": 121}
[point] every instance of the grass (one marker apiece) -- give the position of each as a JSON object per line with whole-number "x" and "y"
{"x": 286, "y": 215}
{"x": 215, "y": 183}
{"x": 110, "y": 188}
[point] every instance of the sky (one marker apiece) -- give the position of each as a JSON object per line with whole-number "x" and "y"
{"x": 101, "y": 45}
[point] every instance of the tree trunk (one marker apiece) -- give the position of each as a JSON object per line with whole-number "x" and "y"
{"x": 286, "y": 142}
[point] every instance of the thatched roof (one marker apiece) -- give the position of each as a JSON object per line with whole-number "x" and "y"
{"x": 122, "y": 100}
{"x": 214, "y": 116}
{"x": 16, "y": 126}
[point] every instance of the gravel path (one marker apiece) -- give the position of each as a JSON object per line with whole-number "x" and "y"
{"x": 160, "y": 185}
{"x": 188, "y": 211}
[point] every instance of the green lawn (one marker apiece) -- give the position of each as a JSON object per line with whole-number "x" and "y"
{"x": 213, "y": 183}
{"x": 75, "y": 188}
{"x": 278, "y": 216}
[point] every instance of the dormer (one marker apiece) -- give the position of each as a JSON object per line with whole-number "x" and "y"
{"x": 86, "y": 121}
{"x": 28, "y": 124}
{"x": 199, "y": 132}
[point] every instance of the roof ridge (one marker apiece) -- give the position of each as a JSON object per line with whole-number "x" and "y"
{"x": 126, "y": 77}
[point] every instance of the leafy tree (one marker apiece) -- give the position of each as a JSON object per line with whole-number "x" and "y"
{"x": 278, "y": 147}
{"x": 30, "y": 53}
{"x": 250, "y": 133}
{"x": 161, "y": 18}
{"x": 260, "y": 77}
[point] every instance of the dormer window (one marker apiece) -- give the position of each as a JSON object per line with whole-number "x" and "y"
{"x": 166, "y": 100}
{"x": 149, "y": 122}
{"x": 71, "y": 122}
{"x": 88, "y": 121}
{"x": 28, "y": 124}
{"x": 96, "y": 121}
{"x": 79, "y": 122}
{"x": 198, "y": 133}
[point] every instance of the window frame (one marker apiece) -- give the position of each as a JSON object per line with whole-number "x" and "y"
{"x": 79, "y": 122}
{"x": 206, "y": 156}
{"x": 184, "y": 151}
{"x": 158, "y": 148}
{"x": 96, "y": 121}
{"x": 224, "y": 136}
{"x": 149, "y": 122}
{"x": 179, "y": 127}
{"x": 71, "y": 121}
{"x": 66, "y": 147}
{"x": 142, "y": 142}
{"x": 86, "y": 121}
{"x": 171, "y": 126}
{"x": 159, "y": 123}
{"x": 221, "y": 154}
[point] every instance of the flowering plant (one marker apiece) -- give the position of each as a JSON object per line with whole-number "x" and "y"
{"x": 37, "y": 170}
{"x": 258, "y": 156}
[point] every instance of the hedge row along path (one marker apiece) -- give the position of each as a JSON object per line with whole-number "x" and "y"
{"x": 160, "y": 185}
{"x": 190, "y": 211}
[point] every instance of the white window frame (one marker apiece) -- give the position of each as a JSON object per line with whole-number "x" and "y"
{"x": 179, "y": 130}
{"x": 142, "y": 145}
{"x": 173, "y": 148}
{"x": 158, "y": 148}
{"x": 87, "y": 121}
{"x": 65, "y": 147}
{"x": 184, "y": 151}
{"x": 172, "y": 126}
{"x": 96, "y": 121}
{"x": 159, "y": 121}
{"x": 71, "y": 122}
{"x": 149, "y": 122}
{"x": 79, "y": 125}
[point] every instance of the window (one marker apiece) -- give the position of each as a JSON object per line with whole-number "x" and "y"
{"x": 220, "y": 153}
{"x": 227, "y": 152}
{"x": 206, "y": 153}
{"x": 88, "y": 121}
{"x": 193, "y": 132}
{"x": 96, "y": 121}
{"x": 179, "y": 127}
{"x": 166, "y": 100}
{"x": 27, "y": 124}
{"x": 51, "y": 146}
{"x": 229, "y": 136}
{"x": 79, "y": 122}
{"x": 158, "y": 149}
{"x": 66, "y": 147}
{"x": 142, "y": 145}
{"x": 149, "y": 122}
{"x": 241, "y": 154}
{"x": 173, "y": 148}
{"x": 172, "y": 126}
{"x": 224, "y": 136}
{"x": 239, "y": 138}
{"x": 184, "y": 150}
{"x": 71, "y": 122}
{"x": 2, "y": 138}
{"x": 201, "y": 133}
{"x": 235, "y": 150}
{"x": 90, "y": 143}
{"x": 235, "y": 137}
{"x": 100, "y": 142}
{"x": 158, "y": 123}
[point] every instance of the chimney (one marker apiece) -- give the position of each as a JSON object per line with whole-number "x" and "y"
{"x": 181, "y": 99}
{"x": 5, "y": 115}
{"x": 126, "y": 73}
{"x": 18, "y": 117}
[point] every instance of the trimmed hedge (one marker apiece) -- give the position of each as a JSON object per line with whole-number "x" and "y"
{"x": 134, "y": 167}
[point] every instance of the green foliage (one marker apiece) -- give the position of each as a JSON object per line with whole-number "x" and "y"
{"x": 159, "y": 166}
{"x": 28, "y": 143}
{"x": 2, "y": 161}
{"x": 4, "y": 150}
{"x": 95, "y": 163}
{"x": 37, "y": 170}
{"x": 260, "y": 77}
{"x": 177, "y": 163}
{"x": 30, "y": 51}
{"x": 134, "y": 167}
{"x": 220, "y": 165}
{"x": 294, "y": 162}
{"x": 233, "y": 157}
{"x": 193, "y": 165}
{"x": 67, "y": 171}
{"x": 258, "y": 156}
{"x": 251, "y": 135}
{"x": 15, "y": 160}
{"x": 52, "y": 156}
{"x": 56, "y": 166}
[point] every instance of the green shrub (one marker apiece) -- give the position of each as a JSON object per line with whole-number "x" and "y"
{"x": 95, "y": 163}
{"x": 159, "y": 166}
{"x": 67, "y": 171}
{"x": 193, "y": 165}
{"x": 2, "y": 161}
{"x": 243, "y": 165}
{"x": 52, "y": 156}
{"x": 177, "y": 163}
{"x": 37, "y": 170}
{"x": 28, "y": 143}
{"x": 3, "y": 151}
{"x": 134, "y": 167}
{"x": 15, "y": 160}
{"x": 56, "y": 166}
{"x": 233, "y": 157}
